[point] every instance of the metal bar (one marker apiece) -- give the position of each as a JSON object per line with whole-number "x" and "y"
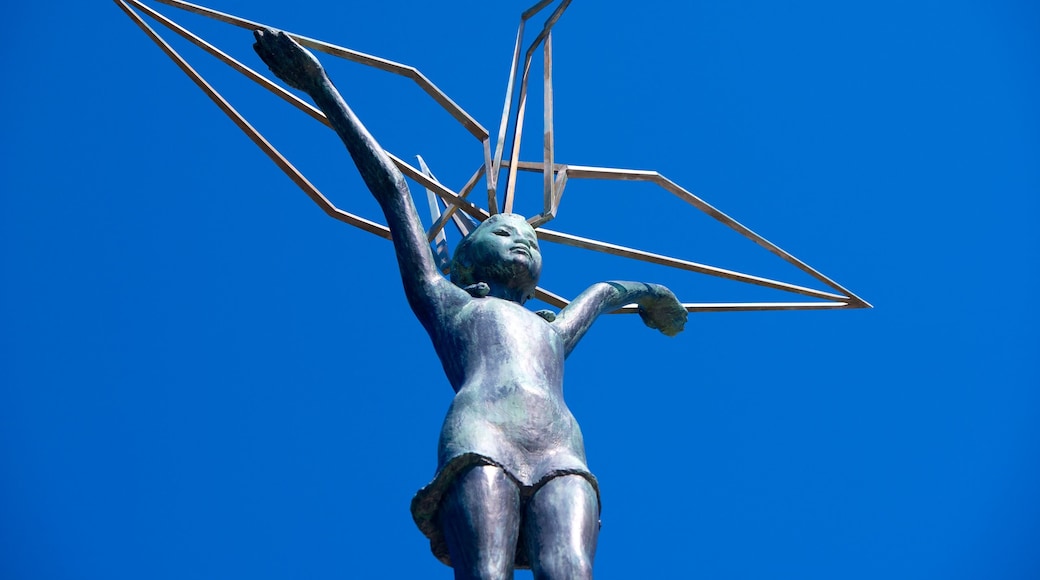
{"x": 746, "y": 232}
{"x": 472, "y": 183}
{"x": 748, "y": 306}
{"x": 279, "y": 160}
{"x": 475, "y": 128}
{"x": 561, "y": 181}
{"x": 460, "y": 224}
{"x": 233, "y": 63}
{"x": 460, "y": 115}
{"x": 538, "y": 220}
{"x": 506, "y": 108}
{"x": 449, "y": 196}
{"x": 263, "y": 81}
{"x": 560, "y": 302}
{"x": 550, "y": 298}
{"x": 552, "y": 20}
{"x": 548, "y": 195}
{"x": 527, "y": 14}
{"x": 439, "y": 239}
{"x": 681, "y": 193}
{"x": 584, "y": 172}
{"x": 511, "y": 89}
{"x": 522, "y": 107}
{"x": 532, "y": 166}
{"x": 455, "y": 201}
{"x": 550, "y": 214}
{"x": 558, "y": 185}
{"x": 518, "y": 131}
{"x": 517, "y": 136}
{"x": 449, "y": 212}
{"x": 274, "y": 88}
{"x": 214, "y": 14}
{"x": 616, "y": 250}
{"x": 491, "y": 178}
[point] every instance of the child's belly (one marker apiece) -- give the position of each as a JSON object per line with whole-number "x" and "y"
{"x": 526, "y": 427}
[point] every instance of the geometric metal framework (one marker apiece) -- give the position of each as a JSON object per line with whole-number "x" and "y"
{"x": 555, "y": 175}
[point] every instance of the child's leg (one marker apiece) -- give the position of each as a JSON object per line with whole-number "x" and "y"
{"x": 480, "y": 518}
{"x": 561, "y": 525}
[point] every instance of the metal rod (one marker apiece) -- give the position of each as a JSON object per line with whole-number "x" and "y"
{"x": 548, "y": 195}
{"x": 517, "y": 136}
{"x": 748, "y": 306}
{"x": 492, "y": 164}
{"x": 279, "y": 160}
{"x": 214, "y": 14}
{"x": 532, "y": 166}
{"x": 561, "y": 181}
{"x": 584, "y": 172}
{"x": 527, "y": 14}
{"x": 449, "y": 196}
{"x": 233, "y": 63}
{"x": 616, "y": 250}
{"x": 274, "y": 88}
{"x": 503, "y": 127}
{"x": 748, "y": 233}
{"x": 672, "y": 187}
{"x": 510, "y": 90}
{"x": 449, "y": 212}
{"x": 550, "y": 298}
{"x": 472, "y": 183}
{"x": 611, "y": 173}
{"x": 439, "y": 239}
{"x": 491, "y": 177}
{"x": 467, "y": 121}
{"x": 518, "y": 123}
{"x": 267, "y": 84}
{"x": 460, "y": 224}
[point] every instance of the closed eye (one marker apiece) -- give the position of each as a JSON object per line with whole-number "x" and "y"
{"x": 501, "y": 233}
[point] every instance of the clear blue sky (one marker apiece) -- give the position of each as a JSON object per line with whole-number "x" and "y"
{"x": 202, "y": 376}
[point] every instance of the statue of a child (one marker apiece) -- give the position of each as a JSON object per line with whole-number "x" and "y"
{"x": 512, "y": 487}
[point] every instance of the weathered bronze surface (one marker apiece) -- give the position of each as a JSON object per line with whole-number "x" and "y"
{"x": 512, "y": 488}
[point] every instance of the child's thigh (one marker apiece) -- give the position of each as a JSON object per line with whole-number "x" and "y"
{"x": 561, "y": 524}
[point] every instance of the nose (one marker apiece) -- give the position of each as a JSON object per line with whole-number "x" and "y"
{"x": 520, "y": 239}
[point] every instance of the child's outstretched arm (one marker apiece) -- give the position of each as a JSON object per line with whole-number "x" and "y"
{"x": 424, "y": 286}
{"x": 658, "y": 307}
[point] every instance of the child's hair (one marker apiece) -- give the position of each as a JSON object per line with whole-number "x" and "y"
{"x": 465, "y": 273}
{"x": 462, "y": 263}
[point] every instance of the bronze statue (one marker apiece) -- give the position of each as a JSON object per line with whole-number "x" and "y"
{"x": 512, "y": 487}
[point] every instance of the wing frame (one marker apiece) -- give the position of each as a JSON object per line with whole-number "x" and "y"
{"x": 556, "y": 176}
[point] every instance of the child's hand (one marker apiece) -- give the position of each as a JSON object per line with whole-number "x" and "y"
{"x": 288, "y": 60}
{"x": 662, "y": 310}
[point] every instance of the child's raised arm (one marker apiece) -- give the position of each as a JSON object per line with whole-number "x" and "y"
{"x": 658, "y": 307}
{"x": 424, "y": 286}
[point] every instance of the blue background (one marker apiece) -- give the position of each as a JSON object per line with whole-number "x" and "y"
{"x": 202, "y": 376}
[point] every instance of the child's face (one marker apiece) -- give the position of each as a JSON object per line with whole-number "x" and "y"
{"x": 507, "y": 244}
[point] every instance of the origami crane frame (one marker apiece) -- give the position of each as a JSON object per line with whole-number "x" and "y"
{"x": 555, "y": 175}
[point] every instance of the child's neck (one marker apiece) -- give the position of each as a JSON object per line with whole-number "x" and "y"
{"x": 504, "y": 292}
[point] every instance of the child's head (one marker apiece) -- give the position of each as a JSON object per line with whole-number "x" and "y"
{"x": 502, "y": 252}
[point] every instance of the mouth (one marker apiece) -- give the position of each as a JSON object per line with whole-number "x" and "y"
{"x": 522, "y": 249}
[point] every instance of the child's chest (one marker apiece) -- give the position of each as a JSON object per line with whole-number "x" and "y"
{"x": 493, "y": 324}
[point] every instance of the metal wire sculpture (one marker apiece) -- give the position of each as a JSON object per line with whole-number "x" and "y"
{"x": 446, "y": 204}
